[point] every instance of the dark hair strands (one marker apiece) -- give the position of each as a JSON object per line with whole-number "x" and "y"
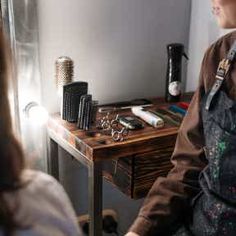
{"x": 11, "y": 153}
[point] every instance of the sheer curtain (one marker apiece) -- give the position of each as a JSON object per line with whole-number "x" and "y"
{"x": 19, "y": 19}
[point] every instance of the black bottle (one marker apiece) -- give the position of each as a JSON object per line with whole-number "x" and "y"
{"x": 174, "y": 68}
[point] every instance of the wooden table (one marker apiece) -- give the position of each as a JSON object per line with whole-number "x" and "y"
{"x": 95, "y": 147}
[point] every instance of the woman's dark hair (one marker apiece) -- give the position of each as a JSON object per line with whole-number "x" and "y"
{"x": 11, "y": 154}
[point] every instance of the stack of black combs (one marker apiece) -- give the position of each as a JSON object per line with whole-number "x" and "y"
{"x": 78, "y": 106}
{"x": 85, "y": 111}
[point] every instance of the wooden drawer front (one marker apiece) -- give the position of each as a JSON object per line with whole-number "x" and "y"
{"x": 134, "y": 175}
{"x": 119, "y": 173}
{"x": 147, "y": 168}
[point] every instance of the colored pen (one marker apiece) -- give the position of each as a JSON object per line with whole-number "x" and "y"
{"x": 183, "y": 105}
{"x": 171, "y": 114}
{"x": 177, "y": 109}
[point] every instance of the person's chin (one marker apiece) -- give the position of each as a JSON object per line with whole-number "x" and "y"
{"x": 226, "y": 25}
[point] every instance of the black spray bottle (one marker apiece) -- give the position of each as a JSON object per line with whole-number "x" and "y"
{"x": 174, "y": 72}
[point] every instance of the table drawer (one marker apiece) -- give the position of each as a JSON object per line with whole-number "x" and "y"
{"x": 134, "y": 175}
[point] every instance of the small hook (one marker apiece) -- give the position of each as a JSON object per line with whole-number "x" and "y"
{"x": 185, "y": 55}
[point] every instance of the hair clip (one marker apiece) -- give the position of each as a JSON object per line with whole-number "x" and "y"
{"x": 115, "y": 122}
{"x": 111, "y": 126}
{"x": 119, "y": 135}
{"x": 104, "y": 122}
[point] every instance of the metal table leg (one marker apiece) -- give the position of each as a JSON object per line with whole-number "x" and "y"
{"x": 95, "y": 198}
{"x": 52, "y": 159}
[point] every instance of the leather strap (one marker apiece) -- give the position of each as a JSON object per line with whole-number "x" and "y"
{"x": 221, "y": 73}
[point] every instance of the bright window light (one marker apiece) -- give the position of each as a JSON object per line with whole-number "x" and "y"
{"x": 37, "y": 114}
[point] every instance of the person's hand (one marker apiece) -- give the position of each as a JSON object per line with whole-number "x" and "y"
{"x": 131, "y": 234}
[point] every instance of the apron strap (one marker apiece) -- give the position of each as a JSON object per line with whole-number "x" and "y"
{"x": 221, "y": 73}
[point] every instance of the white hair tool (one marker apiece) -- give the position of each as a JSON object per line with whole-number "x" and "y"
{"x": 148, "y": 117}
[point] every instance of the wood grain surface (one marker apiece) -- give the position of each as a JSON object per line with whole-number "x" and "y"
{"x": 133, "y": 164}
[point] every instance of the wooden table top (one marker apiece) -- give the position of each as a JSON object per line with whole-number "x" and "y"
{"x": 97, "y": 144}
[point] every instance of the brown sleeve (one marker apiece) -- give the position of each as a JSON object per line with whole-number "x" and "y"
{"x": 169, "y": 198}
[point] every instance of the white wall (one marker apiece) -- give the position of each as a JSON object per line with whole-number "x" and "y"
{"x": 203, "y": 32}
{"x": 118, "y": 46}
